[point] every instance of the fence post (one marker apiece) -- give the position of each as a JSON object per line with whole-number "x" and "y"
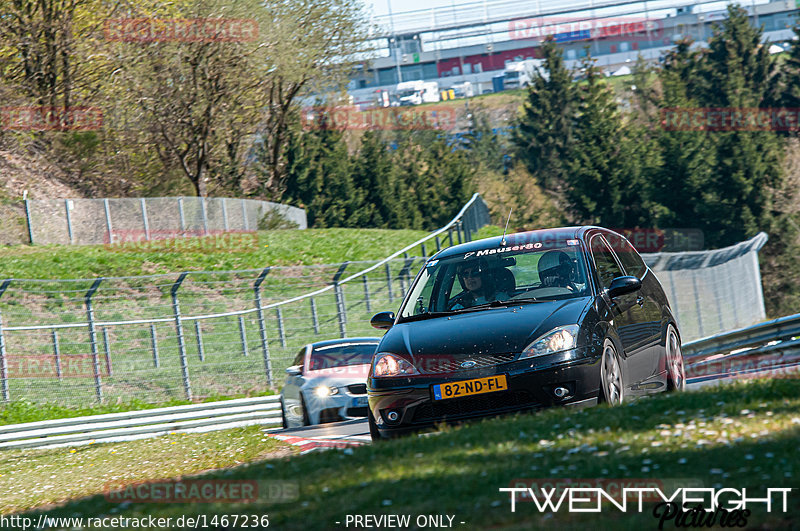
{"x": 450, "y": 235}
{"x": 57, "y": 353}
{"x": 262, "y": 328}
{"x": 438, "y": 244}
{"x": 281, "y": 329}
{"x": 108, "y": 220}
{"x": 98, "y": 386}
{"x": 107, "y": 352}
{"x": 243, "y": 336}
{"x": 225, "y": 213}
{"x": 424, "y": 252}
{"x": 3, "y": 360}
{"x": 182, "y": 216}
{"x": 245, "y": 222}
{"x": 366, "y": 293}
{"x": 314, "y": 319}
{"x": 30, "y": 220}
{"x": 198, "y": 334}
{"x": 69, "y": 221}
{"x": 145, "y": 221}
{"x": 389, "y": 281}
{"x": 458, "y": 231}
{"x": 341, "y": 309}
{"x": 154, "y": 343}
{"x": 204, "y": 215}
{"x": 187, "y": 387}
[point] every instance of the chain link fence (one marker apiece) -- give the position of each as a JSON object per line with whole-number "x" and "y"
{"x": 101, "y": 221}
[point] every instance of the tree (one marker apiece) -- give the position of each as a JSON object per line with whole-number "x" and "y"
{"x": 789, "y": 87}
{"x": 596, "y": 179}
{"x": 544, "y": 131}
{"x": 738, "y": 72}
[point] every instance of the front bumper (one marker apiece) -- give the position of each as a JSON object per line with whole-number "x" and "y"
{"x": 531, "y": 384}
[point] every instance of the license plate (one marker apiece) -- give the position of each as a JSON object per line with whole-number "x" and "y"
{"x": 360, "y": 401}
{"x": 478, "y": 386}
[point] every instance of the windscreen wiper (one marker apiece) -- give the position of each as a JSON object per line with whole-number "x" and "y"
{"x": 499, "y": 304}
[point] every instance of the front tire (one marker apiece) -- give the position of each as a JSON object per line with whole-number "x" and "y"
{"x": 306, "y": 421}
{"x": 373, "y": 428}
{"x": 612, "y": 385}
{"x": 284, "y": 423}
{"x": 676, "y": 373}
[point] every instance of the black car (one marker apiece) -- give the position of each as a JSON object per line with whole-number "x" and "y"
{"x": 533, "y": 319}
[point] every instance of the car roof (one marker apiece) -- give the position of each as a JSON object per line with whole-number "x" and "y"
{"x": 560, "y": 233}
{"x": 346, "y": 340}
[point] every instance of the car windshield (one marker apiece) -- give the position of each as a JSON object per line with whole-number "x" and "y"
{"x": 512, "y": 75}
{"x": 406, "y": 93}
{"x": 507, "y": 275}
{"x": 341, "y": 355}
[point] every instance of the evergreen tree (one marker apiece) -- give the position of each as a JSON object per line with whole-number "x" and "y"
{"x": 544, "y": 131}
{"x": 596, "y": 173}
{"x": 789, "y": 86}
{"x": 734, "y": 204}
{"x": 374, "y": 174}
{"x": 688, "y": 157}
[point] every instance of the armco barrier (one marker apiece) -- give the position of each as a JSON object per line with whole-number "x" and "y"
{"x": 143, "y": 423}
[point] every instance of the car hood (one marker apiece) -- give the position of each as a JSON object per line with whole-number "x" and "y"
{"x": 486, "y": 332}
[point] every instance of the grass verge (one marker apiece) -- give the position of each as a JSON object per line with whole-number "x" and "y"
{"x": 740, "y": 435}
{"x": 274, "y": 248}
{"x": 37, "y": 477}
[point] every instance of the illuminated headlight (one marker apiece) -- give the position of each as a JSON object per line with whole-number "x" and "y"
{"x": 556, "y": 340}
{"x": 324, "y": 391}
{"x": 386, "y": 364}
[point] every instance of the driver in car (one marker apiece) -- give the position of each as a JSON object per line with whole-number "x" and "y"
{"x": 478, "y": 284}
{"x": 556, "y": 270}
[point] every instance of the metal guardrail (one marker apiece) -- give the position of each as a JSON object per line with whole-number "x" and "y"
{"x": 781, "y": 329}
{"x": 142, "y": 423}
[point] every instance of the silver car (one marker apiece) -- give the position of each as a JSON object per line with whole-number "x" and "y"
{"x": 327, "y": 382}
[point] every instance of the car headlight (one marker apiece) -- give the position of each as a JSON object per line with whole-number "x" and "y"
{"x": 386, "y": 364}
{"x": 556, "y": 340}
{"x": 324, "y": 391}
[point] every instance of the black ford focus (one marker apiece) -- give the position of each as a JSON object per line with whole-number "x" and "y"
{"x": 534, "y": 319}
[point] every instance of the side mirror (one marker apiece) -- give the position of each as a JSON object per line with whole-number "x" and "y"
{"x": 382, "y": 321}
{"x": 294, "y": 370}
{"x": 623, "y": 285}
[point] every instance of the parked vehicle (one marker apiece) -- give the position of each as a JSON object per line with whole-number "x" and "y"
{"x": 327, "y": 382}
{"x": 551, "y": 317}
{"x": 520, "y": 74}
{"x": 417, "y": 92}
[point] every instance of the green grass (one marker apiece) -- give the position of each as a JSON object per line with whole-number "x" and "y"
{"x": 741, "y": 435}
{"x": 273, "y": 248}
{"x": 37, "y": 477}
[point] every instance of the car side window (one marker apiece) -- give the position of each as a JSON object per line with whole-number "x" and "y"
{"x": 607, "y": 267}
{"x": 631, "y": 261}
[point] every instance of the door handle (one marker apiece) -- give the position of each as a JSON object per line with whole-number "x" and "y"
{"x": 640, "y": 301}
